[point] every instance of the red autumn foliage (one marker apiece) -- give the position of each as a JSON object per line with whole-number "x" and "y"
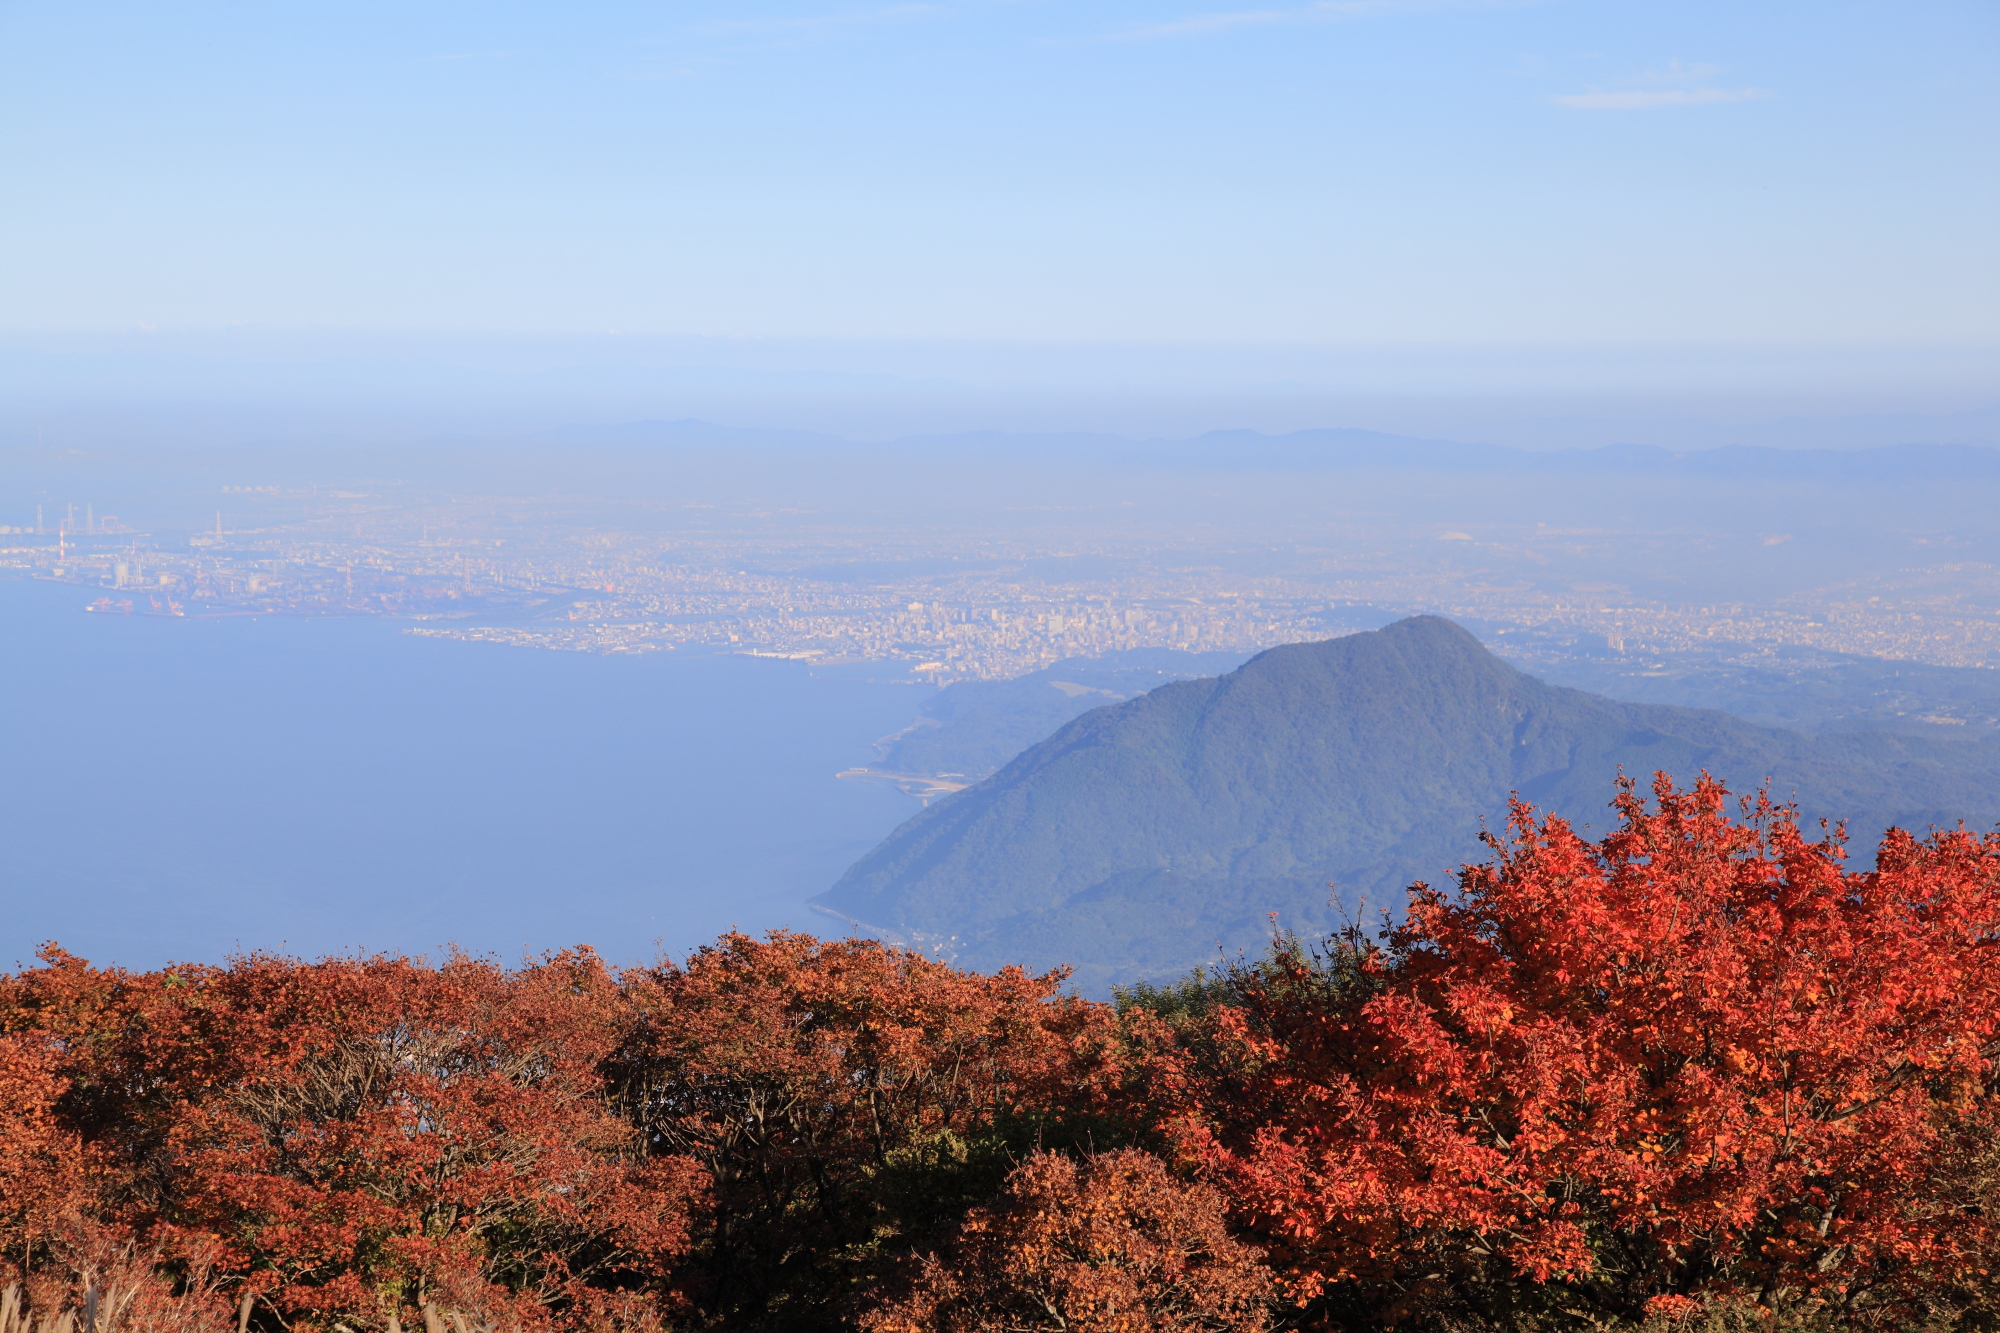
{"x": 1699, "y": 1062}
{"x": 1109, "y": 1244}
{"x": 745, "y": 1136}
{"x": 1698, "y": 1058}
{"x": 41, "y": 1159}
{"x": 366, "y": 1137}
{"x": 844, "y": 1097}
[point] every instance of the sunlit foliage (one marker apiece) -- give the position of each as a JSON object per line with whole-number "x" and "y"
{"x": 1698, "y": 1075}
{"x": 1698, "y": 1059}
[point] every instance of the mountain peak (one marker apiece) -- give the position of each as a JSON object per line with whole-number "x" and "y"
{"x": 1414, "y": 643}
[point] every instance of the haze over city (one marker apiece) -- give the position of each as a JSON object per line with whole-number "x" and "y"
{"x": 943, "y": 344}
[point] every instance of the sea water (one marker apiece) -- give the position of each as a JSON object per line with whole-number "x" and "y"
{"x": 187, "y": 789}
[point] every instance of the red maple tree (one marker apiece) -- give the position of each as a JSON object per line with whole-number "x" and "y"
{"x": 1698, "y": 1058}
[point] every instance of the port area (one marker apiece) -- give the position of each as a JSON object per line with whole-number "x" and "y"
{"x": 926, "y": 787}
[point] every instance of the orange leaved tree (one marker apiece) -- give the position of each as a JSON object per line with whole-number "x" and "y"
{"x": 41, "y": 1159}
{"x": 1698, "y": 1059}
{"x": 847, "y": 1099}
{"x": 357, "y": 1139}
{"x": 1109, "y": 1244}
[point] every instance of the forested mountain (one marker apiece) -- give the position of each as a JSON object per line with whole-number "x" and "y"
{"x": 1143, "y": 834}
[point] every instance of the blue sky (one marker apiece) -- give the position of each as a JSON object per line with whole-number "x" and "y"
{"x": 1142, "y": 171}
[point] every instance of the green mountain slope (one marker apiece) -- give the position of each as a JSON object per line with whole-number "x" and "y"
{"x": 1143, "y": 834}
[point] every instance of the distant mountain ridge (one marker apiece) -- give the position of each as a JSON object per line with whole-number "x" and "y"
{"x": 1362, "y": 450}
{"x": 1343, "y": 449}
{"x": 1143, "y": 834}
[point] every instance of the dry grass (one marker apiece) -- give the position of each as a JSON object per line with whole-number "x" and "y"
{"x": 88, "y": 1285}
{"x": 101, "y": 1310}
{"x": 146, "y": 1306}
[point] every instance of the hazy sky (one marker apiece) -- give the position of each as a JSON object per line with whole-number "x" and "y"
{"x": 1350, "y": 171}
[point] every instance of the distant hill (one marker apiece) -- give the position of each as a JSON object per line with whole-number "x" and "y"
{"x": 1363, "y": 450}
{"x": 971, "y": 728}
{"x": 1143, "y": 834}
{"x": 1805, "y": 689}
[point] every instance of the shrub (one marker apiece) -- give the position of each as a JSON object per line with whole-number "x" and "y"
{"x": 1111, "y": 1243}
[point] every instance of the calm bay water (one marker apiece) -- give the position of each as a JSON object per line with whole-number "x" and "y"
{"x": 187, "y": 789}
